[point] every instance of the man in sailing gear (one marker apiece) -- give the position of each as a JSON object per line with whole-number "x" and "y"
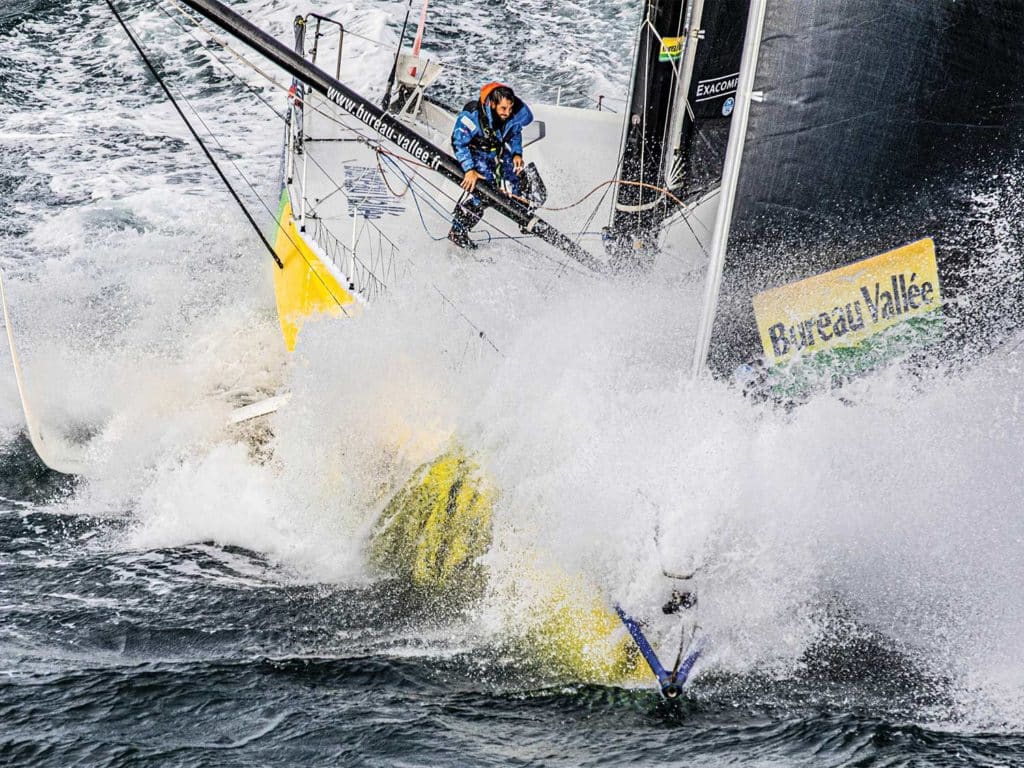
{"x": 488, "y": 143}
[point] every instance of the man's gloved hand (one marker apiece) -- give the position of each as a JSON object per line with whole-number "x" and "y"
{"x": 517, "y": 163}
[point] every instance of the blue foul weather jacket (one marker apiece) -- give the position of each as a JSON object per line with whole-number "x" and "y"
{"x": 480, "y": 139}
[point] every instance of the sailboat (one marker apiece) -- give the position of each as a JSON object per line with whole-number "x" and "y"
{"x": 730, "y": 155}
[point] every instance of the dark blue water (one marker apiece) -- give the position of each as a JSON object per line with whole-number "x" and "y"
{"x": 181, "y": 607}
{"x": 205, "y": 656}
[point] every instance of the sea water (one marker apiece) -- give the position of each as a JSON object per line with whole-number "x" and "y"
{"x": 193, "y": 601}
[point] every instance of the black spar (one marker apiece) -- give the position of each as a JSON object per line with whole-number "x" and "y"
{"x": 388, "y": 127}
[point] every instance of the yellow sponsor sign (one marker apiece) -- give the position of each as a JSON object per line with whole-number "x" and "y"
{"x": 671, "y": 48}
{"x": 843, "y": 307}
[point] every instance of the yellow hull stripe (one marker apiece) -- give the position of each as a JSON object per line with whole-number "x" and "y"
{"x": 305, "y": 287}
{"x": 436, "y": 530}
{"x": 434, "y": 534}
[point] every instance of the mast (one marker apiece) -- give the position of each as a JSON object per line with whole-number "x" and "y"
{"x": 681, "y": 105}
{"x": 423, "y": 150}
{"x": 635, "y": 222}
{"x": 730, "y": 179}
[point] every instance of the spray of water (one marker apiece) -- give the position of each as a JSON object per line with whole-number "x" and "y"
{"x": 140, "y": 309}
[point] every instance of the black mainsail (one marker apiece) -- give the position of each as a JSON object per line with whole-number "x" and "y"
{"x": 681, "y": 100}
{"x": 660, "y": 51}
{"x": 701, "y": 138}
{"x": 881, "y": 123}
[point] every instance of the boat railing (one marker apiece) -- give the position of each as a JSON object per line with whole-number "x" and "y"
{"x": 371, "y": 261}
{"x": 317, "y": 34}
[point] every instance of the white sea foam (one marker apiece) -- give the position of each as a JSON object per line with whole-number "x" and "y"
{"x": 141, "y": 298}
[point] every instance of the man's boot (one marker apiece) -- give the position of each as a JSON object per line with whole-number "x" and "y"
{"x": 466, "y": 216}
{"x": 460, "y": 237}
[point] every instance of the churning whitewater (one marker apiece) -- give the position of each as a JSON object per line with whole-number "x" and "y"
{"x": 202, "y": 595}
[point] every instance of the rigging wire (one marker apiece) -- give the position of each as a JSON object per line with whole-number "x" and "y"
{"x": 605, "y": 184}
{"x": 376, "y": 145}
{"x": 446, "y": 214}
{"x": 622, "y": 182}
{"x": 392, "y": 162}
{"x": 223, "y": 43}
{"x": 332, "y": 118}
{"x": 267, "y": 208}
{"x": 414, "y": 196}
{"x": 223, "y": 149}
{"x": 381, "y": 151}
{"x": 411, "y": 188}
{"x": 428, "y": 181}
{"x": 205, "y": 46}
{"x": 156, "y": 74}
{"x": 481, "y": 334}
{"x": 256, "y": 194}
